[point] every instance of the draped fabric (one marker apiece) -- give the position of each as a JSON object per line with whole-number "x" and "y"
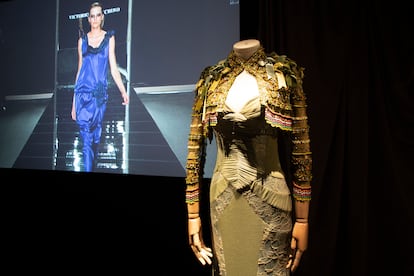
{"x": 91, "y": 96}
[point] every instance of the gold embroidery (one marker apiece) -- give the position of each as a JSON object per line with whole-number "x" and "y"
{"x": 284, "y": 108}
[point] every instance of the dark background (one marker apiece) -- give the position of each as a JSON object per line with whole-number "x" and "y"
{"x": 359, "y": 73}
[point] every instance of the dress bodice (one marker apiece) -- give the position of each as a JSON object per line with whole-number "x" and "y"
{"x": 93, "y": 74}
{"x": 247, "y": 133}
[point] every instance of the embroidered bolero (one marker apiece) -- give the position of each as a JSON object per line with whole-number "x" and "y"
{"x": 284, "y": 108}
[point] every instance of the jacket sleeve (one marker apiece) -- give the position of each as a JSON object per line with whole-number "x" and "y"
{"x": 197, "y": 142}
{"x": 301, "y": 150}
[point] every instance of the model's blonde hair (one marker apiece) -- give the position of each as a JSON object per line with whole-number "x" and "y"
{"x": 98, "y": 4}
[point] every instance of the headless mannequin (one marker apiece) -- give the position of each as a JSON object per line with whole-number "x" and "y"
{"x": 246, "y": 90}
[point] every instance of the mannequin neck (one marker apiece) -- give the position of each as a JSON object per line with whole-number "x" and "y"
{"x": 246, "y": 48}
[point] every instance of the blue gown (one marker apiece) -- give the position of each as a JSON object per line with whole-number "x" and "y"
{"x": 91, "y": 96}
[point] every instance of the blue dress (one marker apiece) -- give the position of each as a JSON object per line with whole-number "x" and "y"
{"x": 91, "y": 96}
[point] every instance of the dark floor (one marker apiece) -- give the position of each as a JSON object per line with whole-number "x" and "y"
{"x": 148, "y": 137}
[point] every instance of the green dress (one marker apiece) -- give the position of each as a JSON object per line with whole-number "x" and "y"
{"x": 250, "y": 200}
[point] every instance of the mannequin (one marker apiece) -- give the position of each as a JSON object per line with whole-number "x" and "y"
{"x": 246, "y": 48}
{"x": 249, "y": 197}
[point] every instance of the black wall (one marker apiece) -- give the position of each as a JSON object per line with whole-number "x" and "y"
{"x": 359, "y": 80}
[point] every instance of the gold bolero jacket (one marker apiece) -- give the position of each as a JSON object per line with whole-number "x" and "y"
{"x": 284, "y": 108}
